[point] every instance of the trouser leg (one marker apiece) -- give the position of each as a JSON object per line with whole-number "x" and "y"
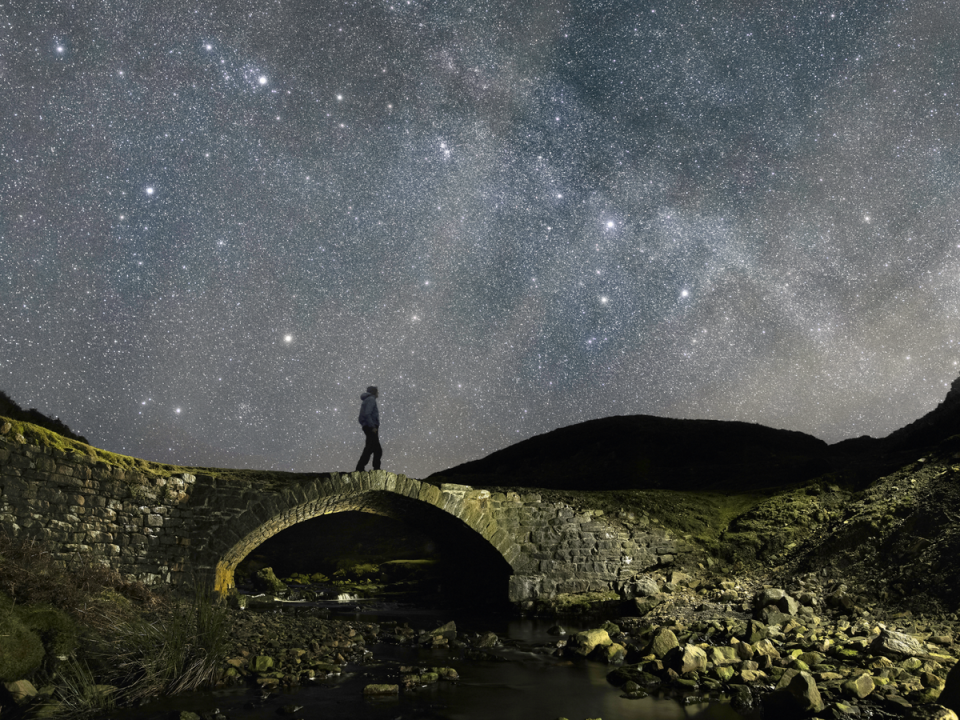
{"x": 371, "y": 447}
{"x": 377, "y": 451}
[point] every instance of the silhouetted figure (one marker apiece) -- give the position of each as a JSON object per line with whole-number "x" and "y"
{"x": 370, "y": 423}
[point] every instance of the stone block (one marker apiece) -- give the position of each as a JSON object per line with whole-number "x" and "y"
{"x": 430, "y": 494}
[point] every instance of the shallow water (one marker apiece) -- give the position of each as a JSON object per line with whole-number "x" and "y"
{"x": 519, "y": 684}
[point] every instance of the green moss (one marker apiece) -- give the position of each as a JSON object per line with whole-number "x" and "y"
{"x": 36, "y": 435}
{"x": 21, "y": 651}
{"x": 56, "y": 630}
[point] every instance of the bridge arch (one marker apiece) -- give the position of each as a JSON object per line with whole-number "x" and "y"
{"x": 455, "y": 512}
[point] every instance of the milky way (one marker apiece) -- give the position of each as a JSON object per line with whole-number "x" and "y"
{"x": 219, "y": 222}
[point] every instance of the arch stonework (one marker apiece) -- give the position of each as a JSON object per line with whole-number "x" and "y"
{"x": 185, "y": 529}
{"x": 375, "y": 492}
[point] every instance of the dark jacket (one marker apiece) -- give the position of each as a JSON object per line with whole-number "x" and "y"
{"x": 369, "y": 413}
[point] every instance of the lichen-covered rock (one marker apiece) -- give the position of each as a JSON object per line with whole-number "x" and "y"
{"x": 261, "y": 663}
{"x": 859, "y": 686}
{"x": 22, "y": 691}
{"x": 889, "y": 642}
{"x": 663, "y": 642}
{"x": 723, "y": 655}
{"x": 767, "y": 649}
{"x": 692, "y": 659}
{"x": 584, "y": 643}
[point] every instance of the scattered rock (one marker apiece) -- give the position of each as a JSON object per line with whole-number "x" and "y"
{"x": 584, "y": 643}
{"x": 663, "y": 642}
{"x": 859, "y": 686}
{"x": 22, "y": 691}
{"x": 381, "y": 689}
{"x": 801, "y": 690}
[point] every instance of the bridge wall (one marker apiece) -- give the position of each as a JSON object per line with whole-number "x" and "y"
{"x": 186, "y": 529}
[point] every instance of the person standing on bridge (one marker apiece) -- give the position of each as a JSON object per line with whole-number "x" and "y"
{"x": 370, "y": 424}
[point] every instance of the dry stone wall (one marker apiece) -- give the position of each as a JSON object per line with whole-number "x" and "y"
{"x": 187, "y": 529}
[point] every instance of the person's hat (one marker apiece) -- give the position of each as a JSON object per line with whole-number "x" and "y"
{"x": 372, "y": 389}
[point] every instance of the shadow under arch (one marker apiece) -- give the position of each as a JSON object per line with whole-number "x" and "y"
{"x": 475, "y": 567}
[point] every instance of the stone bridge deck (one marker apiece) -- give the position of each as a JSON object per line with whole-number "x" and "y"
{"x": 191, "y": 529}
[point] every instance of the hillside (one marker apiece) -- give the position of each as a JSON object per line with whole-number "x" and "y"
{"x": 879, "y": 516}
{"x": 646, "y": 452}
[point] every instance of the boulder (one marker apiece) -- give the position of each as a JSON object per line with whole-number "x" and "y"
{"x": 772, "y": 615}
{"x": 641, "y": 587}
{"x": 692, "y": 659}
{"x": 889, "y": 642}
{"x": 755, "y": 631}
{"x": 584, "y": 643}
{"x": 663, "y": 642}
{"x": 22, "y": 691}
{"x": 261, "y": 663}
{"x": 859, "y": 686}
{"x": 767, "y": 649}
{"x": 797, "y": 691}
{"x": 644, "y": 605}
{"x": 612, "y": 654}
{"x": 723, "y": 655}
{"x": 447, "y": 631}
{"x": 487, "y": 640}
{"x": 779, "y": 599}
{"x": 744, "y": 650}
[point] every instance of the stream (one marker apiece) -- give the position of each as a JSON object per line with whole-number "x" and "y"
{"x": 519, "y": 683}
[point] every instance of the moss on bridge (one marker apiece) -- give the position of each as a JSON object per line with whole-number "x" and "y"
{"x": 41, "y": 437}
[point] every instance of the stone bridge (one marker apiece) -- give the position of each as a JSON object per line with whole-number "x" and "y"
{"x": 187, "y": 528}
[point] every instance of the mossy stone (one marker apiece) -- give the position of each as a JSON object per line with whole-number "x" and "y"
{"x": 21, "y": 651}
{"x": 56, "y": 630}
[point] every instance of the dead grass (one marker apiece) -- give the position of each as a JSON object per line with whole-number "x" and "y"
{"x": 30, "y": 575}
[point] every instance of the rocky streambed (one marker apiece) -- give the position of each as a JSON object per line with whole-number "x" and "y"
{"x": 807, "y": 650}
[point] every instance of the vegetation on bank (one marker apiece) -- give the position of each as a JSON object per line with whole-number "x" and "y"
{"x": 88, "y": 640}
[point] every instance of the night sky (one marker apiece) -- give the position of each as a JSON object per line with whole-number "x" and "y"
{"x": 219, "y": 222}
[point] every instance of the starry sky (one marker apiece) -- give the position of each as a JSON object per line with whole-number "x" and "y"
{"x": 219, "y": 222}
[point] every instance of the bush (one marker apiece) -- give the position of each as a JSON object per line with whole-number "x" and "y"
{"x": 21, "y": 651}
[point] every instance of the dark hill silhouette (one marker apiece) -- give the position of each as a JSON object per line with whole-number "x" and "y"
{"x": 10, "y": 409}
{"x": 938, "y": 425}
{"x": 642, "y": 451}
